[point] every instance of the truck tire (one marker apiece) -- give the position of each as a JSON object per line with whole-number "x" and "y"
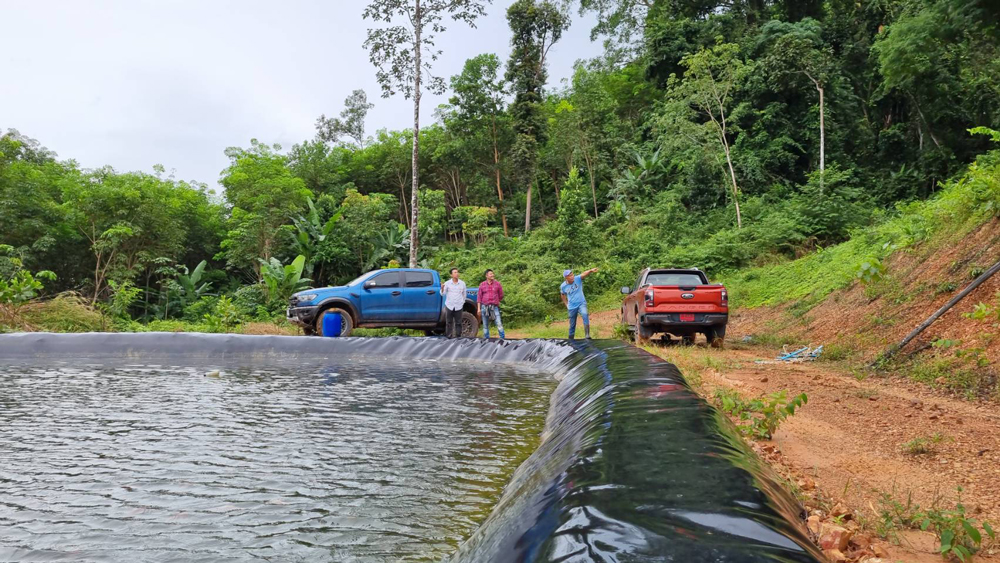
{"x": 470, "y": 325}
{"x": 346, "y": 322}
{"x": 642, "y": 332}
{"x": 716, "y": 336}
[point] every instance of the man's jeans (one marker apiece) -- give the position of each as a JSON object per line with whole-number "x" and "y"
{"x": 582, "y": 311}
{"x": 487, "y": 309}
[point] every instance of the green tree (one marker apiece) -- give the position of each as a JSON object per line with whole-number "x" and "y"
{"x": 479, "y": 103}
{"x": 573, "y": 234}
{"x": 351, "y": 122}
{"x": 795, "y": 50}
{"x": 434, "y": 218}
{"x": 264, "y": 196}
{"x": 363, "y": 218}
{"x": 391, "y": 160}
{"x": 128, "y": 221}
{"x": 397, "y": 51}
{"x": 708, "y": 85}
{"x": 535, "y": 26}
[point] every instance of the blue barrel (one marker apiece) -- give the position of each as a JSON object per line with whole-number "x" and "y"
{"x": 332, "y": 324}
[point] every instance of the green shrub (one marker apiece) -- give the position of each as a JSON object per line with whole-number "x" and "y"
{"x": 225, "y": 317}
{"x": 760, "y": 418}
{"x": 252, "y": 303}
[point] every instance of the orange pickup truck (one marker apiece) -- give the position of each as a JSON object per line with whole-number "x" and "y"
{"x": 680, "y": 302}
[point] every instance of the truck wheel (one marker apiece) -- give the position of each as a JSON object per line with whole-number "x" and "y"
{"x": 642, "y": 333}
{"x": 470, "y": 325}
{"x": 346, "y": 323}
{"x": 716, "y": 336}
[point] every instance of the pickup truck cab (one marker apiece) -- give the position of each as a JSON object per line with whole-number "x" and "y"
{"x": 396, "y": 297}
{"x": 680, "y": 302}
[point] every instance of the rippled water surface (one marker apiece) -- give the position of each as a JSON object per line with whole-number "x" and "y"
{"x": 355, "y": 462}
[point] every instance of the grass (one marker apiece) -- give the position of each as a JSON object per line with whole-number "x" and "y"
{"x": 66, "y": 312}
{"x": 954, "y": 212}
{"x": 922, "y": 445}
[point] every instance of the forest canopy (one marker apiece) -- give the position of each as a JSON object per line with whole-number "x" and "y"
{"x": 710, "y": 134}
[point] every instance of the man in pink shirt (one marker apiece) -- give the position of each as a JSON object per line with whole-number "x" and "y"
{"x": 490, "y": 296}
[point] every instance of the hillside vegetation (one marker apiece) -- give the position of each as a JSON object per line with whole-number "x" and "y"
{"x": 788, "y": 148}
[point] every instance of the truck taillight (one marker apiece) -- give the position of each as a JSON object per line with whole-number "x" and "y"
{"x": 725, "y": 297}
{"x": 649, "y": 297}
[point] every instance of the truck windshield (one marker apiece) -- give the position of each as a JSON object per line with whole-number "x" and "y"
{"x": 360, "y": 278}
{"x": 673, "y": 278}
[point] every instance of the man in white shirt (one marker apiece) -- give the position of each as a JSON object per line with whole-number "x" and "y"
{"x": 453, "y": 291}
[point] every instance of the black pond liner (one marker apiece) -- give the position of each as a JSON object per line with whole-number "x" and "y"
{"x": 633, "y": 465}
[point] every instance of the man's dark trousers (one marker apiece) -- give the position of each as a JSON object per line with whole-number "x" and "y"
{"x": 453, "y": 323}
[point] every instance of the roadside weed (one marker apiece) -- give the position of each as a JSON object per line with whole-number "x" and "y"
{"x": 959, "y": 536}
{"x": 760, "y": 418}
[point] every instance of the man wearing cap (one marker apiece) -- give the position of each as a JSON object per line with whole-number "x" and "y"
{"x": 571, "y": 293}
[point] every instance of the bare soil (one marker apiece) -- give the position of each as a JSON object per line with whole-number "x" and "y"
{"x": 847, "y": 444}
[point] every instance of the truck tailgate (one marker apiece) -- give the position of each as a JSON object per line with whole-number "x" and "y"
{"x": 686, "y": 299}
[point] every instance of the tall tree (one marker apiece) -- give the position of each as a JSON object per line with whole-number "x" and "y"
{"x": 397, "y": 51}
{"x": 351, "y": 122}
{"x": 480, "y": 106}
{"x": 264, "y": 197}
{"x": 621, "y": 22}
{"x": 535, "y": 27}
{"x": 708, "y": 85}
{"x": 795, "y": 50}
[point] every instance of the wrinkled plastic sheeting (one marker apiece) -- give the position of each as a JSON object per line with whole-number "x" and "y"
{"x": 633, "y": 465}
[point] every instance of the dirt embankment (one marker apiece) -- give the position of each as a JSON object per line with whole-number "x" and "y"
{"x": 956, "y": 352}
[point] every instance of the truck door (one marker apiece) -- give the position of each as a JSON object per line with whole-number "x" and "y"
{"x": 422, "y": 297}
{"x": 382, "y": 298}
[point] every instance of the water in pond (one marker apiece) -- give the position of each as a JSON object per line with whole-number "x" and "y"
{"x": 359, "y": 461}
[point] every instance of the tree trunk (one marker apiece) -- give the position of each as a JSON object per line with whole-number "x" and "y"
{"x": 732, "y": 176}
{"x": 527, "y": 210}
{"x": 590, "y": 172}
{"x": 822, "y": 130}
{"x": 402, "y": 199}
{"x": 555, "y": 184}
{"x": 414, "y": 204}
{"x": 822, "y": 139}
{"x": 496, "y": 163}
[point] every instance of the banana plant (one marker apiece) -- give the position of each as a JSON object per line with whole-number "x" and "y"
{"x": 390, "y": 244}
{"x": 281, "y": 281}
{"x": 310, "y": 231}
{"x": 188, "y": 283}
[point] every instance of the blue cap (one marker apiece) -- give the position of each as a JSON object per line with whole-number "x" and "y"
{"x": 567, "y": 272}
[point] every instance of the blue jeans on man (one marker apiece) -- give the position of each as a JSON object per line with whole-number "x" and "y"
{"x": 492, "y": 313}
{"x": 581, "y": 311}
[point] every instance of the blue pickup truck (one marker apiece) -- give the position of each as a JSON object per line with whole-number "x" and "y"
{"x": 396, "y": 297}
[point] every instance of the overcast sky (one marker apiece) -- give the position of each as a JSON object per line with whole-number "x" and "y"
{"x": 133, "y": 83}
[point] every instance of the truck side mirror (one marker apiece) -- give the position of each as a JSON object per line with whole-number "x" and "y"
{"x": 369, "y": 284}
{"x": 626, "y": 290}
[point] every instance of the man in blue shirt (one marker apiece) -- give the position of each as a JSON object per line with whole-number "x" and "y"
{"x": 571, "y": 293}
